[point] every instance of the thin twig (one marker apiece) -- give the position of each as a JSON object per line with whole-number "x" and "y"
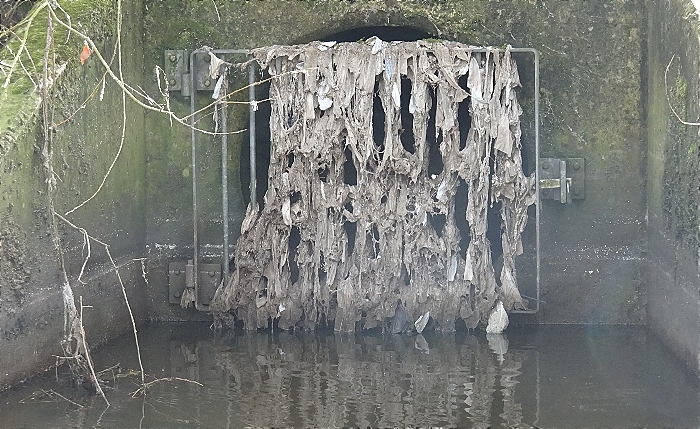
{"x": 158, "y": 380}
{"x": 54, "y": 393}
{"x": 95, "y": 380}
{"x": 22, "y": 43}
{"x": 77, "y": 228}
{"x": 111, "y": 368}
{"x": 86, "y": 243}
{"x": 131, "y": 315}
{"x": 217, "y": 10}
{"x": 143, "y": 411}
{"x": 48, "y": 393}
{"x": 668, "y": 98}
{"x": 121, "y": 283}
{"x": 123, "y": 134}
{"x": 126, "y": 90}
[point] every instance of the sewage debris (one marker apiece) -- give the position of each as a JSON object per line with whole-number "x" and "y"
{"x": 367, "y": 154}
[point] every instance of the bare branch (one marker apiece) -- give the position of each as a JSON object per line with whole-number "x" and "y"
{"x": 668, "y": 98}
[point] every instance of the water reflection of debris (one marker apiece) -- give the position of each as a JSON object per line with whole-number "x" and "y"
{"x": 421, "y": 344}
{"x": 361, "y": 380}
{"x": 499, "y": 344}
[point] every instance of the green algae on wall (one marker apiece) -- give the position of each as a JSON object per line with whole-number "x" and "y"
{"x": 85, "y": 138}
{"x": 682, "y": 169}
{"x": 673, "y": 176}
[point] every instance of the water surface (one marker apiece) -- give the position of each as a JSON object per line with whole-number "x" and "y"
{"x": 550, "y": 376}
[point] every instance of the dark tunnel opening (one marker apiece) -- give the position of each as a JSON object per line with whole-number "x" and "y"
{"x": 433, "y": 139}
{"x": 408, "y": 140}
{"x": 378, "y": 123}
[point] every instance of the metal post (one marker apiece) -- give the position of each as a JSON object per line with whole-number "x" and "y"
{"x": 224, "y": 165}
{"x": 537, "y": 169}
{"x": 251, "y": 126}
{"x": 195, "y": 218}
{"x": 537, "y": 177}
{"x": 224, "y": 185}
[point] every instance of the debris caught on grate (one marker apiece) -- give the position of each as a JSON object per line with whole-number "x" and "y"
{"x": 367, "y": 155}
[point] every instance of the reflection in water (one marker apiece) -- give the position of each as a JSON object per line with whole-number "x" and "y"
{"x": 535, "y": 377}
{"x": 309, "y": 380}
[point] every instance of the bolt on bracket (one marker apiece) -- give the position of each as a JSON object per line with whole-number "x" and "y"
{"x": 562, "y": 179}
{"x": 177, "y": 68}
{"x": 177, "y": 71}
{"x": 181, "y": 277}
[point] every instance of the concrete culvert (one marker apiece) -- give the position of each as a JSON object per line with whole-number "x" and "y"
{"x": 359, "y": 212}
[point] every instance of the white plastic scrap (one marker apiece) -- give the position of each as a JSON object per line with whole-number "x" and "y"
{"x": 498, "y": 320}
{"x": 421, "y": 322}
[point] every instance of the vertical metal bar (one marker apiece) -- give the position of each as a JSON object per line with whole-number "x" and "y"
{"x": 251, "y": 126}
{"x": 537, "y": 174}
{"x": 224, "y": 185}
{"x": 537, "y": 179}
{"x": 195, "y": 217}
{"x": 563, "y": 194}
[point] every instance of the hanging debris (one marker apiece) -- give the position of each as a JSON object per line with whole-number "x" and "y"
{"x": 365, "y": 162}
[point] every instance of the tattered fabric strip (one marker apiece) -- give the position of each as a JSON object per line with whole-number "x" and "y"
{"x": 322, "y": 249}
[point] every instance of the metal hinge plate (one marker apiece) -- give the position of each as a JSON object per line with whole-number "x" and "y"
{"x": 177, "y": 71}
{"x": 177, "y": 67}
{"x": 180, "y": 278}
{"x": 562, "y": 179}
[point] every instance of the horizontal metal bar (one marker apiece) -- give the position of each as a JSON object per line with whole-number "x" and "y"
{"x": 221, "y": 51}
{"x": 550, "y": 183}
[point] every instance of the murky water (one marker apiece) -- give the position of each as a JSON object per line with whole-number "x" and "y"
{"x": 554, "y": 377}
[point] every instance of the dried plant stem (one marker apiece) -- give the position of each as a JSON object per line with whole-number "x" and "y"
{"x": 143, "y": 388}
{"x": 128, "y": 91}
{"x": 121, "y": 283}
{"x": 131, "y": 314}
{"x": 123, "y": 132}
{"x": 668, "y": 98}
{"x": 94, "y": 380}
{"x": 27, "y": 22}
{"x": 50, "y": 393}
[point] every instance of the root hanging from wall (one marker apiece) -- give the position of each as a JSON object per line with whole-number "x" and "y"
{"x": 366, "y": 159}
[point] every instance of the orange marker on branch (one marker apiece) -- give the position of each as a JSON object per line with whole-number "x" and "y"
{"x": 85, "y": 53}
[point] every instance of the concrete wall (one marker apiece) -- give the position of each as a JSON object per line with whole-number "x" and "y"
{"x": 85, "y": 142}
{"x": 592, "y": 106}
{"x": 591, "y": 69}
{"x": 673, "y": 177}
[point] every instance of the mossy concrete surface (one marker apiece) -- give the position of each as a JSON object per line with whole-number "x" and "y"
{"x": 592, "y": 104}
{"x": 591, "y": 107}
{"x": 85, "y": 141}
{"x": 673, "y": 171}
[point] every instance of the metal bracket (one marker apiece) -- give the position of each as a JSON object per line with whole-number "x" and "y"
{"x": 177, "y": 68}
{"x": 202, "y": 79}
{"x": 209, "y": 279}
{"x": 177, "y": 282}
{"x": 180, "y": 277}
{"x": 562, "y": 179}
{"x": 177, "y": 71}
